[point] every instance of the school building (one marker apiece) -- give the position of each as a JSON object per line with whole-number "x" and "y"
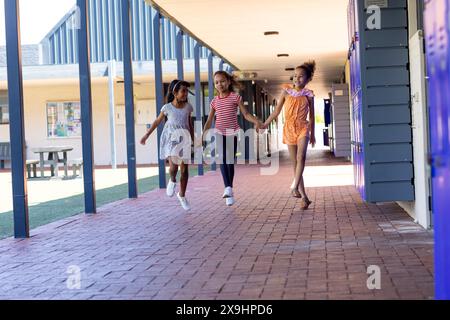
{"x": 382, "y": 79}
{"x": 51, "y": 85}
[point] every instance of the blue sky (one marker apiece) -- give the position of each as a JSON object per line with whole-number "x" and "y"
{"x": 37, "y": 17}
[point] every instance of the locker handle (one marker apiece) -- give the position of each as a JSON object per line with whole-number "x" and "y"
{"x": 437, "y": 161}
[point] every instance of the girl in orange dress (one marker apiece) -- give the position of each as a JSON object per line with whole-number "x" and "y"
{"x": 298, "y": 103}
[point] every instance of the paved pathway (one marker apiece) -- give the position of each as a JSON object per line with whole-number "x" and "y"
{"x": 264, "y": 247}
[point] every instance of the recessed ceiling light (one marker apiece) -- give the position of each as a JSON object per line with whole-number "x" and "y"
{"x": 282, "y": 55}
{"x": 245, "y": 74}
{"x": 271, "y": 33}
{"x": 289, "y": 69}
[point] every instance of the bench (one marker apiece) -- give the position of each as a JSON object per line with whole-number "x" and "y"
{"x": 5, "y": 153}
{"x": 76, "y": 164}
{"x": 32, "y": 163}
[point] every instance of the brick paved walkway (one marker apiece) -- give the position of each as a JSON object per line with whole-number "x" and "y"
{"x": 265, "y": 247}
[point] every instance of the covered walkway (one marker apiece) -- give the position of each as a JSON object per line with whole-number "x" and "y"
{"x": 264, "y": 247}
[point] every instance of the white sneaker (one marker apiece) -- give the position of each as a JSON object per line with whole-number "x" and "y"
{"x": 228, "y": 193}
{"x": 170, "y": 191}
{"x": 230, "y": 201}
{"x": 184, "y": 203}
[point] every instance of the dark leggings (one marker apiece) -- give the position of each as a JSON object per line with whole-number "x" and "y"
{"x": 227, "y": 167}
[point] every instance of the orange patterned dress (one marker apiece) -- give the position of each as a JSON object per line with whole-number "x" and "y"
{"x": 296, "y": 109}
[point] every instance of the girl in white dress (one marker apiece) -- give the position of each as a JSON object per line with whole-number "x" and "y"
{"x": 176, "y": 138}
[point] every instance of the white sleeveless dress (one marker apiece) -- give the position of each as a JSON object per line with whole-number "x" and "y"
{"x": 176, "y": 139}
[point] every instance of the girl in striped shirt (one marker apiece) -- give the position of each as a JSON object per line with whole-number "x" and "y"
{"x": 224, "y": 109}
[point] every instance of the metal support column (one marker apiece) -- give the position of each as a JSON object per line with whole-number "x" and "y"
{"x": 211, "y": 97}
{"x": 16, "y": 119}
{"x": 198, "y": 98}
{"x": 129, "y": 98}
{"x": 86, "y": 108}
{"x": 159, "y": 90}
{"x": 250, "y": 92}
{"x": 112, "y": 117}
{"x": 179, "y": 52}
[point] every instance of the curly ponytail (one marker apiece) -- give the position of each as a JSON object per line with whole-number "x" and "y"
{"x": 309, "y": 67}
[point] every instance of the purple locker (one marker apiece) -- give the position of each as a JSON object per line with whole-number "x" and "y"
{"x": 437, "y": 50}
{"x": 358, "y": 106}
{"x": 354, "y": 145}
{"x": 361, "y": 140}
{"x": 355, "y": 67}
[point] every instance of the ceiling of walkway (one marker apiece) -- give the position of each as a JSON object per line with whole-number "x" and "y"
{"x": 235, "y": 29}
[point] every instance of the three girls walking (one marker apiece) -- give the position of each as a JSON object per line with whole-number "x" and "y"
{"x": 178, "y": 133}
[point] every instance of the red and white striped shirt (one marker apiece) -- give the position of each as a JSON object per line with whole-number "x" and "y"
{"x": 226, "y": 113}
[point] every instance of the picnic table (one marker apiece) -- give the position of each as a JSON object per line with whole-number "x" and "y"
{"x": 53, "y": 158}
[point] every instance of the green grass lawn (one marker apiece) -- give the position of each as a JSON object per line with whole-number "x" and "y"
{"x": 55, "y": 210}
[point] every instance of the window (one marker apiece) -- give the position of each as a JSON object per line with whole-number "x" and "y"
{"x": 4, "y": 111}
{"x": 4, "y": 114}
{"x": 63, "y": 119}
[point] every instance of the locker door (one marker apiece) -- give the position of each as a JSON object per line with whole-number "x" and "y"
{"x": 437, "y": 32}
{"x": 354, "y": 145}
{"x": 361, "y": 147}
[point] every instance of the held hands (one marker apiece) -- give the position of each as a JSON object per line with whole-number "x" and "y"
{"x": 260, "y": 127}
{"x": 267, "y": 124}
